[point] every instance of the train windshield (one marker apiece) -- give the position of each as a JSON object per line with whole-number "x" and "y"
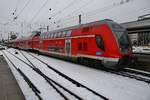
{"x": 122, "y": 39}
{"x": 121, "y": 35}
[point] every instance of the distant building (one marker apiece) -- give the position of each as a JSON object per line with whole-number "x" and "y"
{"x": 139, "y": 31}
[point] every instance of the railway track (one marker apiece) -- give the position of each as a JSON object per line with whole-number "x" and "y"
{"x": 137, "y": 72}
{"x": 131, "y": 75}
{"x": 53, "y": 83}
{"x": 30, "y": 84}
{"x": 140, "y": 76}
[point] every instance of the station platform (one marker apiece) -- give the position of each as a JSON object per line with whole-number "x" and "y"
{"x": 9, "y": 88}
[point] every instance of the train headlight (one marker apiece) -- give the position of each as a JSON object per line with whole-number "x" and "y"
{"x": 99, "y": 53}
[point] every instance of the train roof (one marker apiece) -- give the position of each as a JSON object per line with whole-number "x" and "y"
{"x": 83, "y": 25}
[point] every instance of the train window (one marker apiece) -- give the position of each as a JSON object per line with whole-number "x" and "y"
{"x": 59, "y": 35}
{"x": 43, "y": 36}
{"x": 46, "y": 35}
{"x": 85, "y": 29}
{"x": 99, "y": 42}
{"x": 49, "y": 35}
{"x": 68, "y": 33}
{"x": 52, "y": 35}
{"x": 79, "y": 46}
{"x": 55, "y": 35}
{"x": 85, "y": 46}
{"x": 64, "y": 34}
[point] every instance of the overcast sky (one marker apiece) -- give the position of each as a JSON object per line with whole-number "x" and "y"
{"x": 32, "y": 14}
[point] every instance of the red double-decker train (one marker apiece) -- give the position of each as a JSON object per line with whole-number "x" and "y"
{"x": 102, "y": 42}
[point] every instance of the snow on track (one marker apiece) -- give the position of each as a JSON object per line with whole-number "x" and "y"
{"x": 112, "y": 86}
{"x": 47, "y": 92}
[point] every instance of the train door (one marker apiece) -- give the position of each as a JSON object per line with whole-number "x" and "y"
{"x": 68, "y": 43}
{"x": 68, "y": 47}
{"x": 40, "y": 44}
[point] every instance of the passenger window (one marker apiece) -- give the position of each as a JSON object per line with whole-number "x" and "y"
{"x": 57, "y": 35}
{"x": 61, "y": 34}
{"x": 64, "y": 34}
{"x": 46, "y": 35}
{"x": 99, "y": 42}
{"x": 68, "y": 33}
{"x": 85, "y": 46}
{"x": 52, "y": 35}
{"x": 49, "y": 35}
{"x": 80, "y": 46}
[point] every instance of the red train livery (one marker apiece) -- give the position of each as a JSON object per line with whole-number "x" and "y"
{"x": 103, "y": 42}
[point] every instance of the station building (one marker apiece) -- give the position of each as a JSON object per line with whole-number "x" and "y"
{"x": 139, "y": 31}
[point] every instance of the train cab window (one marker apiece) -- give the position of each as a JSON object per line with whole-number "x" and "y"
{"x": 99, "y": 42}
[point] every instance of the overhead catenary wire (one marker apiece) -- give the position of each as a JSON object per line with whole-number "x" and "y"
{"x": 93, "y": 12}
{"x": 16, "y": 17}
{"x": 62, "y": 10}
{"x": 91, "y": 16}
{"x": 36, "y": 14}
{"x": 85, "y": 4}
{"x": 27, "y": 3}
{"x": 15, "y": 10}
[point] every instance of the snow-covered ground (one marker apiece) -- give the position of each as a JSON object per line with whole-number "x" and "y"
{"x": 112, "y": 86}
{"x": 141, "y": 49}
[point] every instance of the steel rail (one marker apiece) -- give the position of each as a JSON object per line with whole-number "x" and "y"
{"x": 30, "y": 84}
{"x": 48, "y": 79}
{"x": 70, "y": 79}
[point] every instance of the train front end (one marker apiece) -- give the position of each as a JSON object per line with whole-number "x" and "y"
{"x": 123, "y": 51}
